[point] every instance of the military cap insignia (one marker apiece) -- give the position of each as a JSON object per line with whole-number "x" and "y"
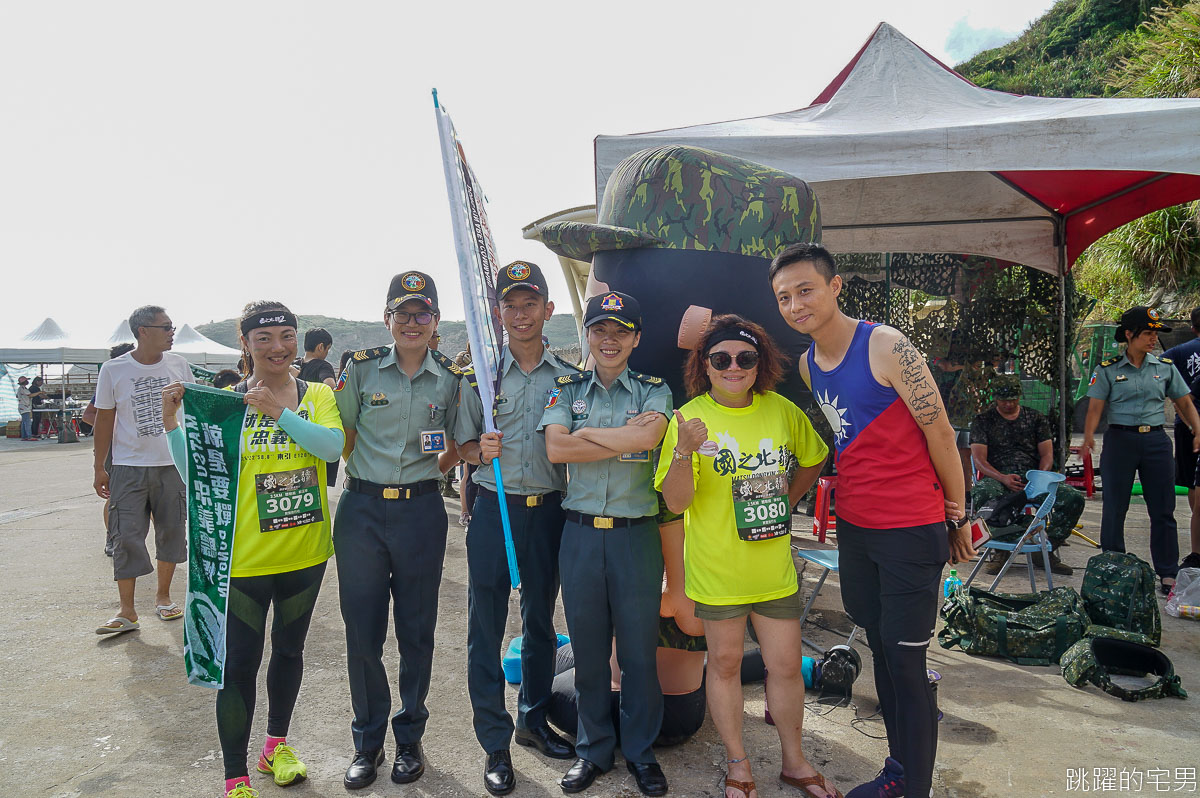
{"x": 518, "y": 271}
{"x": 413, "y": 281}
{"x": 568, "y": 379}
{"x": 1152, "y": 314}
{"x": 370, "y": 354}
{"x": 646, "y": 378}
{"x": 611, "y": 303}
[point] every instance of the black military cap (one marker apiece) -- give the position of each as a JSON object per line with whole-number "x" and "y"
{"x": 412, "y": 285}
{"x": 621, "y": 308}
{"x": 521, "y": 274}
{"x": 1137, "y": 319}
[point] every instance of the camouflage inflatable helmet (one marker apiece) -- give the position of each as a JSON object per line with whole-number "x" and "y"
{"x": 1098, "y": 659}
{"x": 679, "y": 197}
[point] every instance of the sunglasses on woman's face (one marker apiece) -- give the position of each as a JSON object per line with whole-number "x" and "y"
{"x": 723, "y": 360}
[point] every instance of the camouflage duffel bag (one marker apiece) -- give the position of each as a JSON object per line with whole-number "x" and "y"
{"x": 1119, "y": 591}
{"x": 1025, "y": 628}
{"x": 1098, "y": 659}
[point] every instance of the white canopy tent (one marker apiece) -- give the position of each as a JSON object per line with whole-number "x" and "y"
{"x": 906, "y": 155}
{"x": 48, "y": 343}
{"x": 202, "y": 350}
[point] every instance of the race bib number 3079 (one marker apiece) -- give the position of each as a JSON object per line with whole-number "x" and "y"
{"x": 288, "y": 499}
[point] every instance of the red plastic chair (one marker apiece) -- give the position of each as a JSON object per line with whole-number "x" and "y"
{"x": 1088, "y": 481}
{"x": 824, "y": 521}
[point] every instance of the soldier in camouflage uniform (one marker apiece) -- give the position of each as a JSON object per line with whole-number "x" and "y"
{"x": 1006, "y": 441}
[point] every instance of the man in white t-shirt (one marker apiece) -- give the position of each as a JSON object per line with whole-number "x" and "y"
{"x": 143, "y": 482}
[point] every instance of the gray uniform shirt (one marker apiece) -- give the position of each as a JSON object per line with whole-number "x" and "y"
{"x": 524, "y": 465}
{"x": 1134, "y": 395}
{"x": 397, "y": 419}
{"x": 618, "y": 487}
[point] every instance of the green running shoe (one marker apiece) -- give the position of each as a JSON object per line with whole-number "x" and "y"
{"x": 243, "y": 790}
{"x": 283, "y": 765}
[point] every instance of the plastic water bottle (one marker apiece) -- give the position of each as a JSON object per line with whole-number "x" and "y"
{"x": 952, "y": 584}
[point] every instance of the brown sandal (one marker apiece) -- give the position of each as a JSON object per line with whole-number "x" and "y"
{"x": 809, "y": 781}
{"x": 746, "y": 787}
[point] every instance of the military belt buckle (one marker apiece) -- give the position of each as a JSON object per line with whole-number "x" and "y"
{"x": 1144, "y": 428}
{"x": 533, "y": 501}
{"x": 391, "y": 493}
{"x": 602, "y": 522}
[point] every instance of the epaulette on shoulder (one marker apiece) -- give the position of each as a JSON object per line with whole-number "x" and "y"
{"x": 374, "y": 353}
{"x": 1166, "y": 360}
{"x": 562, "y": 361}
{"x": 446, "y": 363}
{"x": 646, "y": 378}
{"x": 579, "y": 376}
{"x": 472, "y": 379}
{"x": 1109, "y": 362}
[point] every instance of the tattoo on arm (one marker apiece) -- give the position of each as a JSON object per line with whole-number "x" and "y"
{"x": 922, "y": 396}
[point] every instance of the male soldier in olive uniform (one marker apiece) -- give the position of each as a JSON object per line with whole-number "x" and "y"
{"x": 533, "y": 488}
{"x": 605, "y": 425}
{"x": 1006, "y": 441}
{"x": 1134, "y": 386}
{"x": 397, "y": 404}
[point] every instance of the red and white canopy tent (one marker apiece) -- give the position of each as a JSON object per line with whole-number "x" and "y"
{"x": 906, "y": 155}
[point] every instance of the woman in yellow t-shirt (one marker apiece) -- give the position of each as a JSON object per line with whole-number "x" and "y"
{"x": 281, "y": 538}
{"x": 736, "y": 459}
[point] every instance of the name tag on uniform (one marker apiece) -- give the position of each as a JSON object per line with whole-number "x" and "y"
{"x": 634, "y": 457}
{"x": 433, "y": 441}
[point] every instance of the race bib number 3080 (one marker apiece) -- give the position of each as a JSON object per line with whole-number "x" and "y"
{"x": 288, "y": 499}
{"x": 760, "y": 506}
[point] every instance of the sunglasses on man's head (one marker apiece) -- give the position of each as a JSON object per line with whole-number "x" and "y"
{"x": 723, "y": 360}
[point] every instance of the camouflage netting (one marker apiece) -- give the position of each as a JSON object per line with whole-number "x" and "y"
{"x": 976, "y": 314}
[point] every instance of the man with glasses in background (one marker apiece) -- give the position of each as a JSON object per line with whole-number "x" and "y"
{"x": 143, "y": 482}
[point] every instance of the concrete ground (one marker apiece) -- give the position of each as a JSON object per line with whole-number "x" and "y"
{"x": 84, "y": 715}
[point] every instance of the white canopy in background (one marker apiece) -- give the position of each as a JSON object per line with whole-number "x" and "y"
{"x": 906, "y": 155}
{"x": 202, "y": 350}
{"x": 47, "y": 343}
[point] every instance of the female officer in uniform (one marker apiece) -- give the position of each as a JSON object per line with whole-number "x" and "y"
{"x": 1133, "y": 386}
{"x": 397, "y": 404}
{"x": 604, "y": 424}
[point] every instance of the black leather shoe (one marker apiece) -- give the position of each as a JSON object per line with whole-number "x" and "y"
{"x": 649, "y": 777}
{"x": 499, "y": 778}
{"x": 363, "y": 769}
{"x": 544, "y": 739}
{"x": 410, "y": 763}
{"x": 580, "y": 776}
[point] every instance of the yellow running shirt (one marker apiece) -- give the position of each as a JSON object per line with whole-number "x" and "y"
{"x": 283, "y": 521}
{"x": 737, "y": 549}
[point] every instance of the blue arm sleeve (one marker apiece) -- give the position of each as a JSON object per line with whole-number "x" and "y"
{"x": 178, "y": 446}
{"x": 325, "y": 442}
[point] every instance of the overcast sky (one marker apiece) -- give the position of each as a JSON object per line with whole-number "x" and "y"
{"x": 202, "y": 155}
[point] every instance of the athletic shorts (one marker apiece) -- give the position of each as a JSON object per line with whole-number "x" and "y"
{"x": 786, "y": 608}
{"x": 1185, "y": 458}
{"x": 137, "y": 494}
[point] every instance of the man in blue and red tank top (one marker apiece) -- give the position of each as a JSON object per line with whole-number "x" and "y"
{"x": 899, "y": 480}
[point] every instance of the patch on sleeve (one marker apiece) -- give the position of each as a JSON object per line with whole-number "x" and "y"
{"x": 552, "y": 399}
{"x": 341, "y": 380}
{"x": 1092, "y": 381}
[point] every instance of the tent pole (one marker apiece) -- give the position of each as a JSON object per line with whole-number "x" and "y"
{"x": 1064, "y": 440}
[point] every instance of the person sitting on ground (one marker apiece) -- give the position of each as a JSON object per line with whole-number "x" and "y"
{"x": 1006, "y": 441}
{"x": 284, "y": 568}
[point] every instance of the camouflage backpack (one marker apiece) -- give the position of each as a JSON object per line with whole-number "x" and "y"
{"x": 1118, "y": 591}
{"x": 1098, "y": 659}
{"x": 1025, "y": 628}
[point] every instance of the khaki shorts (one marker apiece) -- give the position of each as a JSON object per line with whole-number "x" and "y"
{"x": 137, "y": 494}
{"x": 786, "y": 608}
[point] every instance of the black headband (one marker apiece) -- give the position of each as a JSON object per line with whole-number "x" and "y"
{"x": 730, "y": 334}
{"x": 270, "y": 318}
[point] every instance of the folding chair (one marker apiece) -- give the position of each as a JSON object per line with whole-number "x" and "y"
{"x": 827, "y": 561}
{"x": 1034, "y": 539}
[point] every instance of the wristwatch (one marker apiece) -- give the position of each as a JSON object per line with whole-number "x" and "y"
{"x": 680, "y": 458}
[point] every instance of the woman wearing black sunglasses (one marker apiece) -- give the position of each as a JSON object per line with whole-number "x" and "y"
{"x": 735, "y": 460}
